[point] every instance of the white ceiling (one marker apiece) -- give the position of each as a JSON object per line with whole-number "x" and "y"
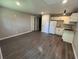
{"x": 38, "y": 6}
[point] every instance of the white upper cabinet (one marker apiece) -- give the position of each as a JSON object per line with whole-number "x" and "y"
{"x": 74, "y": 17}
{"x": 66, "y": 19}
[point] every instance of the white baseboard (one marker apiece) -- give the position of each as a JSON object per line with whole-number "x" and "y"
{"x": 74, "y": 51}
{"x": 15, "y": 35}
{"x": 1, "y": 57}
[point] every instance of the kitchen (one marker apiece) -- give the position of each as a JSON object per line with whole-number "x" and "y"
{"x": 61, "y": 25}
{"x": 39, "y": 29}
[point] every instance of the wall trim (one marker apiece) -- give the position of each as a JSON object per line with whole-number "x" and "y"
{"x": 74, "y": 51}
{"x": 15, "y": 35}
{"x": 1, "y": 57}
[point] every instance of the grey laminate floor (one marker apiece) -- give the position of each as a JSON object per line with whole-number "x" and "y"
{"x": 36, "y": 45}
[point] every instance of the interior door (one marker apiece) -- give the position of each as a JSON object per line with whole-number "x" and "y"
{"x": 52, "y": 28}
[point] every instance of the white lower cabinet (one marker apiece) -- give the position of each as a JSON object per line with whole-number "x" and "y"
{"x": 68, "y": 36}
{"x": 59, "y": 31}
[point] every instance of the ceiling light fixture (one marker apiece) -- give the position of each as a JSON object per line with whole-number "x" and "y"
{"x": 18, "y": 3}
{"x": 64, "y": 1}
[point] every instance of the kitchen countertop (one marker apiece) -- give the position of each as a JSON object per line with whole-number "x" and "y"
{"x": 69, "y": 29}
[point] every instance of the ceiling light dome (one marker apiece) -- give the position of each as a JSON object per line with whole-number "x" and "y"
{"x": 18, "y": 3}
{"x": 64, "y": 1}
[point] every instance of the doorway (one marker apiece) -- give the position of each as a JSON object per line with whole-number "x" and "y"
{"x": 40, "y": 22}
{"x": 37, "y": 23}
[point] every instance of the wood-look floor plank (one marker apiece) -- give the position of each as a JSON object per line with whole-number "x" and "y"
{"x": 36, "y": 45}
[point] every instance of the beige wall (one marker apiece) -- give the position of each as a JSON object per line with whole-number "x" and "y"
{"x": 75, "y": 42}
{"x": 13, "y": 22}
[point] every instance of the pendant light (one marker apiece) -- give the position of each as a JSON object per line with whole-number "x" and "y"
{"x": 64, "y": 12}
